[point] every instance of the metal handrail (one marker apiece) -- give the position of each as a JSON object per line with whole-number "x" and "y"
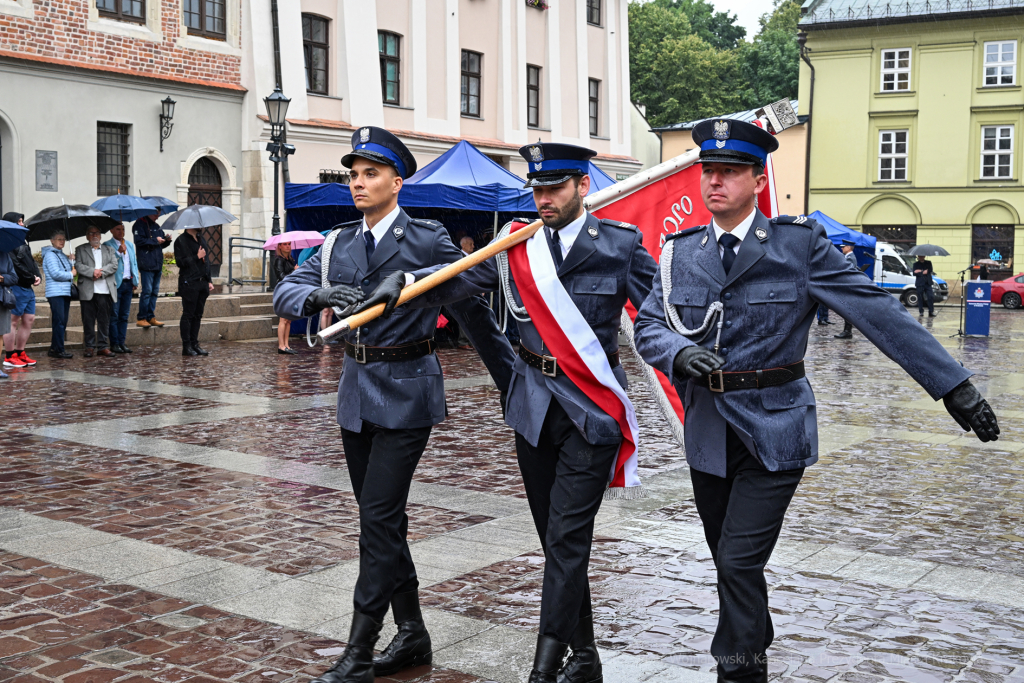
{"x": 231, "y": 261}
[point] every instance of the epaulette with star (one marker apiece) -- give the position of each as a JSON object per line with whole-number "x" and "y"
{"x": 683, "y": 233}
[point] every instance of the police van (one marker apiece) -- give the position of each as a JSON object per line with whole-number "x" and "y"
{"x": 892, "y": 274}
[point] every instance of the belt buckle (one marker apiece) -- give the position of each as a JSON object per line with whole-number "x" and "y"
{"x": 360, "y": 353}
{"x": 544, "y": 360}
{"x": 721, "y": 382}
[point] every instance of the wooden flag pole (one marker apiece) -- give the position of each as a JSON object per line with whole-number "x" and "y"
{"x": 593, "y": 202}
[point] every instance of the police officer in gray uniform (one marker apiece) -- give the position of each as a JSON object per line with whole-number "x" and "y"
{"x": 848, "y": 254}
{"x": 566, "y": 445}
{"x": 750, "y": 426}
{"x": 391, "y": 391}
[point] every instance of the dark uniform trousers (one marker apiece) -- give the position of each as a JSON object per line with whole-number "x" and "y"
{"x": 380, "y": 464}
{"x": 565, "y": 479}
{"x": 742, "y": 515}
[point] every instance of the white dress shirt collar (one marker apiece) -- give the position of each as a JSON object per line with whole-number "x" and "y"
{"x": 568, "y": 234}
{"x": 739, "y": 232}
{"x": 382, "y": 226}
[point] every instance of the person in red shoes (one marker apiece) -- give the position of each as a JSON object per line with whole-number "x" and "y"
{"x": 24, "y": 312}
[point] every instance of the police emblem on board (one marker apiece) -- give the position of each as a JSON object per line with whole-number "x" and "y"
{"x": 364, "y": 135}
{"x": 721, "y": 133}
{"x": 537, "y": 153}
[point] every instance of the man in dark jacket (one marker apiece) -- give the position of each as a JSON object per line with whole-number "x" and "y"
{"x": 24, "y": 313}
{"x": 150, "y": 241}
{"x": 194, "y": 286}
{"x": 923, "y": 272}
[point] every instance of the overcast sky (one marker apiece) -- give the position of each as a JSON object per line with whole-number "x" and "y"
{"x": 747, "y": 12}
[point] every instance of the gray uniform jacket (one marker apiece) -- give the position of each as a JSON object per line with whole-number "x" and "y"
{"x": 784, "y": 268}
{"x": 606, "y": 265}
{"x": 394, "y": 394}
{"x": 85, "y": 266}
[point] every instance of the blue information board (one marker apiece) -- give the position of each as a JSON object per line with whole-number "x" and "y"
{"x": 979, "y": 304}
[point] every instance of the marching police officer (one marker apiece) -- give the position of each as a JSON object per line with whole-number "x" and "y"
{"x": 391, "y": 391}
{"x": 750, "y": 418}
{"x": 566, "y": 444}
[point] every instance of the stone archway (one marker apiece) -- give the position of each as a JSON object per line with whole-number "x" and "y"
{"x": 10, "y": 156}
{"x": 230, "y": 192}
{"x": 205, "y": 187}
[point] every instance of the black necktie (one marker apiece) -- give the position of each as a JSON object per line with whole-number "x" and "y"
{"x": 556, "y": 248}
{"x": 371, "y": 244}
{"x": 728, "y": 242}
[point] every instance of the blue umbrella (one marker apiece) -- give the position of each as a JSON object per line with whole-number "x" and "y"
{"x": 164, "y": 204}
{"x": 12, "y": 236}
{"x": 124, "y": 207}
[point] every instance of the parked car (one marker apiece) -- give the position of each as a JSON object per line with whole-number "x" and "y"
{"x": 1009, "y": 292}
{"x": 892, "y": 274}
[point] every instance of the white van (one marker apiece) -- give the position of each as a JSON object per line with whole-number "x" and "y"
{"x": 893, "y": 275}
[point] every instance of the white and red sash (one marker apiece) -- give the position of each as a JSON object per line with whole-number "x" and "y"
{"x": 580, "y": 355}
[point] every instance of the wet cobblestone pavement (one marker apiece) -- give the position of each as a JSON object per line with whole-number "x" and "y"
{"x": 168, "y": 519}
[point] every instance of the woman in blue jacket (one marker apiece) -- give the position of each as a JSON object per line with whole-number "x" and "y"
{"x": 59, "y": 272}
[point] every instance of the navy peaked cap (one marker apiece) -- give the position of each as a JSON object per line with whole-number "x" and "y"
{"x": 382, "y": 147}
{"x": 729, "y": 141}
{"x": 552, "y": 163}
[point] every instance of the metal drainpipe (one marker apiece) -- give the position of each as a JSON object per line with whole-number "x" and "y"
{"x": 801, "y": 39}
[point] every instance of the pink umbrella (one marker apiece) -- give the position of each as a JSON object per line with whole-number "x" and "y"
{"x": 299, "y": 239}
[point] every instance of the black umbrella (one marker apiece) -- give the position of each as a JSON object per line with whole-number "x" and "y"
{"x": 927, "y": 250}
{"x": 75, "y": 219}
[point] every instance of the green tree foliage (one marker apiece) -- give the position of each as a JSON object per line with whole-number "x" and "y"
{"x": 717, "y": 29}
{"x": 689, "y": 62}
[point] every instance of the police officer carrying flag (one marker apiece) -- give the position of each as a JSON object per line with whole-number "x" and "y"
{"x": 391, "y": 391}
{"x": 727, "y": 321}
{"x": 581, "y": 270}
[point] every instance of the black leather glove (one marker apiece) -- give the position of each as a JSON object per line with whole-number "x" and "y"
{"x": 971, "y": 411}
{"x": 338, "y": 296}
{"x": 503, "y": 402}
{"x": 696, "y": 362}
{"x": 387, "y": 293}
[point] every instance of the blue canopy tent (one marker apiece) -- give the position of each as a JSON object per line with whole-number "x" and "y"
{"x": 599, "y": 179}
{"x": 864, "y": 245}
{"x": 456, "y": 188}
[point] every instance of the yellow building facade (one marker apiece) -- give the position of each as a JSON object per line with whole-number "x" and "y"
{"x": 916, "y": 124}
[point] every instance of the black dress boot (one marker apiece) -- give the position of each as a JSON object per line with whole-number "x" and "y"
{"x": 356, "y": 663}
{"x": 186, "y": 350}
{"x": 199, "y": 350}
{"x": 548, "y": 660}
{"x": 584, "y": 665}
{"x": 847, "y": 332}
{"x": 411, "y": 645}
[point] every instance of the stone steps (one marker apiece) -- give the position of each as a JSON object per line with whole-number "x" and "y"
{"x": 228, "y": 315}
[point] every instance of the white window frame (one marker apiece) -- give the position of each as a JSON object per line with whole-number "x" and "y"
{"x": 892, "y": 156}
{"x": 997, "y": 152}
{"x": 896, "y": 70}
{"x": 1001, "y": 66}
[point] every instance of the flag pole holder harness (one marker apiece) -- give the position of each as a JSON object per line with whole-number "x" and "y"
{"x": 325, "y": 267}
{"x": 510, "y": 306}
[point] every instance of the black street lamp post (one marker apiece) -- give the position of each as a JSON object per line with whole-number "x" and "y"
{"x": 277, "y": 108}
{"x": 166, "y": 114}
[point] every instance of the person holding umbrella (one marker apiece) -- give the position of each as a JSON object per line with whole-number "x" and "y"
{"x": 127, "y": 279}
{"x": 60, "y": 272}
{"x": 97, "y": 291}
{"x": 194, "y": 286}
{"x": 923, "y": 271}
{"x": 11, "y": 235}
{"x": 283, "y": 267}
{"x": 24, "y": 313}
{"x": 150, "y": 241}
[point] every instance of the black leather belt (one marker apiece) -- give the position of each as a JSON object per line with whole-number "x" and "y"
{"x": 362, "y": 353}
{"x": 549, "y": 364}
{"x": 754, "y": 379}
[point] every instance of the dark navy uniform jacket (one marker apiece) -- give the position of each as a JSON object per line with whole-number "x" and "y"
{"x": 770, "y": 297}
{"x": 606, "y": 265}
{"x": 395, "y": 394}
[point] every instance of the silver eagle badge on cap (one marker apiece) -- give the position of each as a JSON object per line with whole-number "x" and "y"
{"x": 364, "y": 135}
{"x": 721, "y": 133}
{"x": 537, "y": 153}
